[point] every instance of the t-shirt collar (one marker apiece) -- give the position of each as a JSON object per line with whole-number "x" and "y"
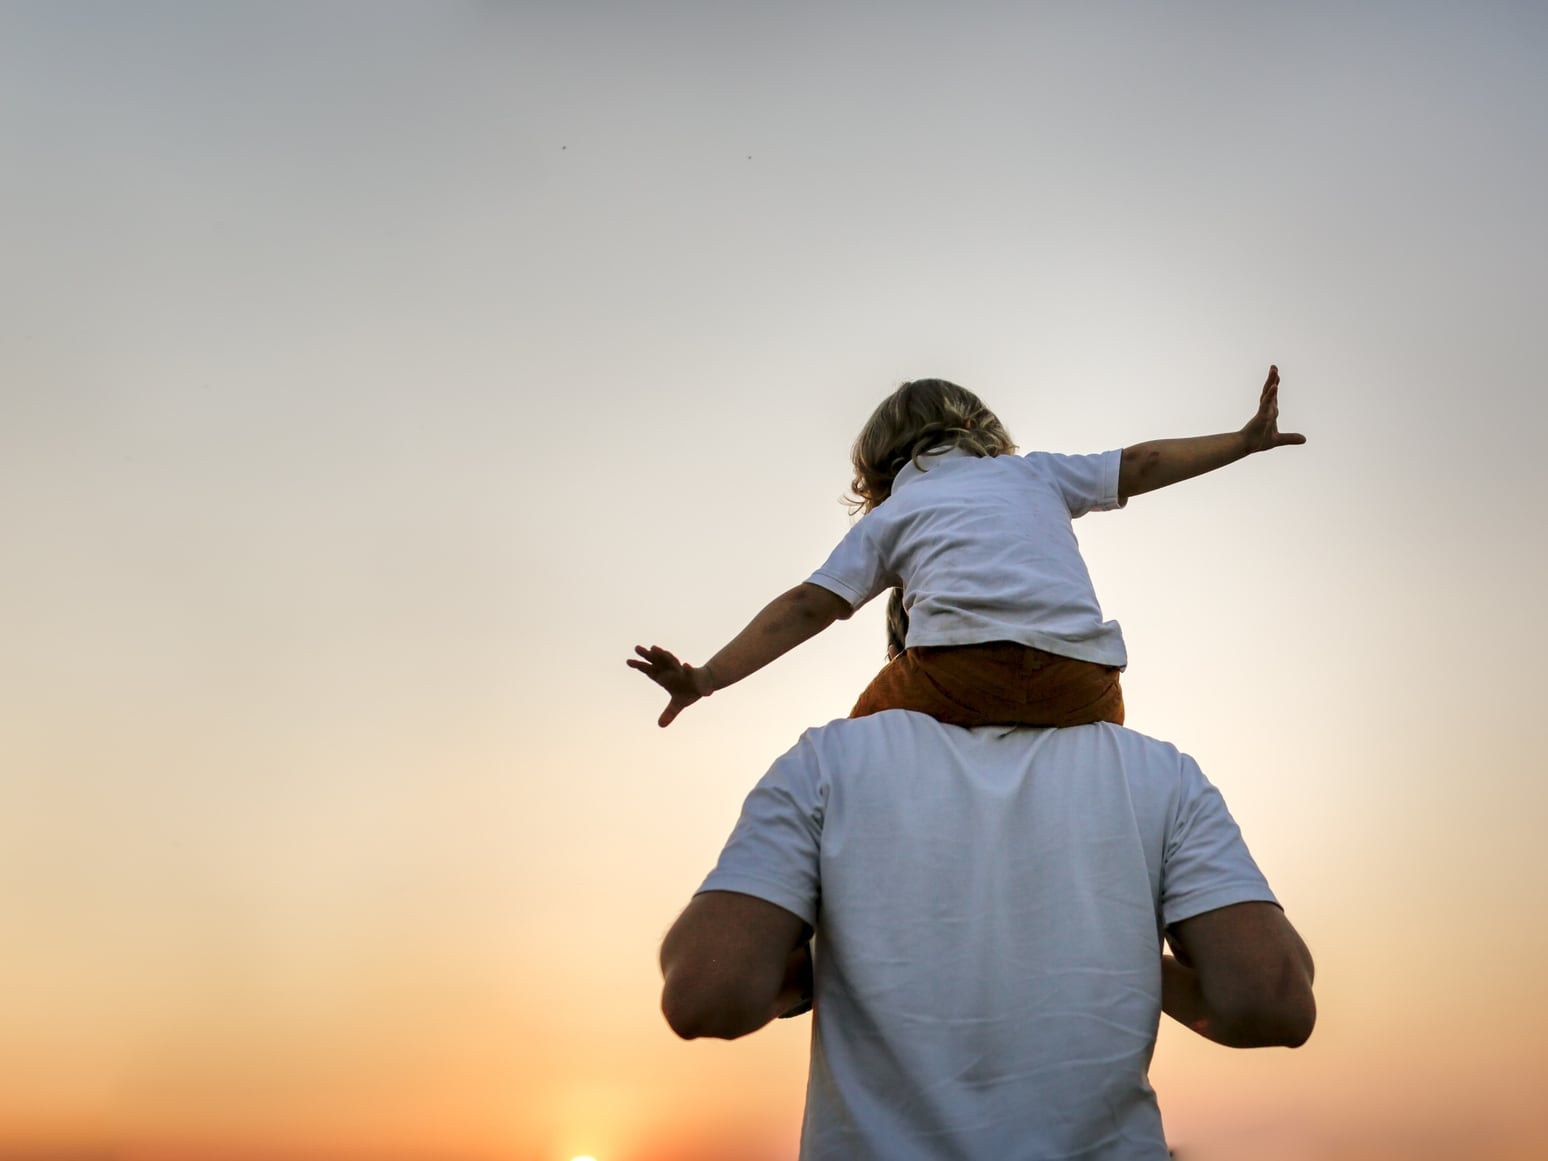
{"x": 908, "y": 472}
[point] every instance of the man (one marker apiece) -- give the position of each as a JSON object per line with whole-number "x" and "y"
{"x": 989, "y": 907}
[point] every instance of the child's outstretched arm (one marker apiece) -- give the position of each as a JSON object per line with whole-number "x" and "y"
{"x": 786, "y": 621}
{"x": 1159, "y": 462}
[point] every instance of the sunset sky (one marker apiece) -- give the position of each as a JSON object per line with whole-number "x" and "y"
{"x": 375, "y": 375}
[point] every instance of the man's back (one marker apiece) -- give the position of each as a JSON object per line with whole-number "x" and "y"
{"x": 989, "y": 907}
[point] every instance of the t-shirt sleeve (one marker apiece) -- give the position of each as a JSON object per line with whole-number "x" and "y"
{"x": 1088, "y": 483}
{"x": 855, "y": 570}
{"x": 1206, "y": 864}
{"x": 773, "y": 851}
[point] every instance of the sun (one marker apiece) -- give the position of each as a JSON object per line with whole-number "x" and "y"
{"x": 584, "y": 1157}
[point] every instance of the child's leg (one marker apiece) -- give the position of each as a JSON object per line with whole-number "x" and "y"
{"x": 1000, "y": 683}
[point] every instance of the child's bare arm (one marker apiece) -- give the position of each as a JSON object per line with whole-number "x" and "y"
{"x": 1157, "y": 463}
{"x": 786, "y": 621}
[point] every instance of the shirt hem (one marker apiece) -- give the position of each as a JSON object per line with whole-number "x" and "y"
{"x": 1213, "y": 900}
{"x": 766, "y": 889}
{"x": 824, "y": 581}
{"x": 1062, "y": 646}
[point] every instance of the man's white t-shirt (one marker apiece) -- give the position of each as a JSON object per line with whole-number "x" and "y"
{"x": 989, "y": 907}
{"x": 984, "y": 549}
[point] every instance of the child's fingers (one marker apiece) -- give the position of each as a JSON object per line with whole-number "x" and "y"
{"x": 1270, "y": 386}
{"x": 655, "y": 657}
{"x": 658, "y": 665}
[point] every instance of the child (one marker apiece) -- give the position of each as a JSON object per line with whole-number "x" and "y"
{"x": 1002, "y": 623}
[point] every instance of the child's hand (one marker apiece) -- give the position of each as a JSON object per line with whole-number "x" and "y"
{"x": 683, "y": 682}
{"x": 1262, "y": 430}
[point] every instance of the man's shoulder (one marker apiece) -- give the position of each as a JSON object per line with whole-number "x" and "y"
{"x": 892, "y": 731}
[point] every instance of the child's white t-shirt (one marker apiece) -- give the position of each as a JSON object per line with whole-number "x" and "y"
{"x": 985, "y": 551}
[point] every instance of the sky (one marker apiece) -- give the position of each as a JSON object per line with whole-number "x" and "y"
{"x": 373, "y": 376}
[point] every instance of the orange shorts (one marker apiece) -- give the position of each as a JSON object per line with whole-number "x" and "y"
{"x": 997, "y": 684}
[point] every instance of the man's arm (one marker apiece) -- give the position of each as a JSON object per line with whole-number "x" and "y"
{"x": 731, "y": 963}
{"x": 794, "y": 616}
{"x": 1241, "y": 977}
{"x": 1157, "y": 463}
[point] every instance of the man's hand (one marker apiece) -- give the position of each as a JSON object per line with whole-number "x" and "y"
{"x": 1262, "y": 431}
{"x": 795, "y": 998}
{"x": 683, "y": 683}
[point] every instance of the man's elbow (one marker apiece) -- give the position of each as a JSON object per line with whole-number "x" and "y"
{"x": 689, "y": 1019}
{"x": 683, "y": 1020}
{"x": 1301, "y": 1024}
{"x": 695, "y": 1012}
{"x": 1300, "y": 1004}
{"x": 1285, "y": 1025}
{"x": 1283, "y": 1017}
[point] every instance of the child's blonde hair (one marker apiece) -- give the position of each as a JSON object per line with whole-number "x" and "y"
{"x": 920, "y": 415}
